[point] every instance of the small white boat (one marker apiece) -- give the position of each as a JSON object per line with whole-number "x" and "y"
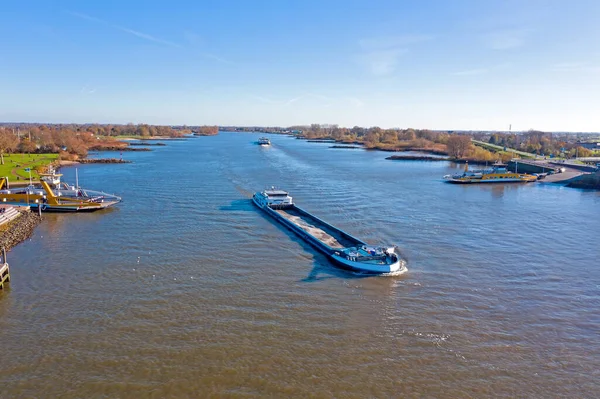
{"x": 264, "y": 141}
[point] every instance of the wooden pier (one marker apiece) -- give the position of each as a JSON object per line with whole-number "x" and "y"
{"x": 4, "y": 270}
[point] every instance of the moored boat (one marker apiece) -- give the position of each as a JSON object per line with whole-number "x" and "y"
{"x": 345, "y": 250}
{"x": 264, "y": 141}
{"x": 52, "y": 195}
{"x": 497, "y": 174}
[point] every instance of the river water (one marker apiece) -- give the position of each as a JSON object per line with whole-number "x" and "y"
{"x": 186, "y": 290}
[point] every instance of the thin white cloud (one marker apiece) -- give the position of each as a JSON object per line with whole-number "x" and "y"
{"x": 392, "y": 42}
{"x": 195, "y": 41}
{"x": 356, "y": 102}
{"x": 136, "y": 33}
{"x": 383, "y": 62}
{"x": 193, "y": 38}
{"x": 381, "y": 55}
{"x": 263, "y": 99}
{"x": 471, "y": 72}
{"x": 85, "y": 16}
{"x": 506, "y": 39}
{"x": 293, "y": 100}
{"x": 216, "y": 58}
{"x": 147, "y": 37}
{"x": 575, "y": 67}
{"x": 86, "y": 90}
{"x": 322, "y": 101}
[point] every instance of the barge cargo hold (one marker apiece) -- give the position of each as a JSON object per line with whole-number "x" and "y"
{"x": 345, "y": 250}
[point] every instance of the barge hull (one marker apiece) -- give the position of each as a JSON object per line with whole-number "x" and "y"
{"x": 312, "y": 240}
{"x": 316, "y": 223}
{"x": 315, "y": 242}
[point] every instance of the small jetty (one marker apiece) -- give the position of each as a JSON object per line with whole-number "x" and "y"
{"x": 4, "y": 270}
{"x": 343, "y": 249}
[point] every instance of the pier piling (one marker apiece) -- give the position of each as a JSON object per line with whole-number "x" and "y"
{"x": 4, "y": 270}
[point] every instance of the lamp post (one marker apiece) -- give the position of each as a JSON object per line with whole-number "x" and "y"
{"x": 27, "y": 191}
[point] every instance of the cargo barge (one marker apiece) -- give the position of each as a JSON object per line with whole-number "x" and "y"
{"x": 343, "y": 249}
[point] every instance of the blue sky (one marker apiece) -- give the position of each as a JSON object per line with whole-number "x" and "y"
{"x": 457, "y": 64}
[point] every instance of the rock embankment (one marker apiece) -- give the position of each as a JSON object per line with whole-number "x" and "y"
{"x": 148, "y": 144}
{"x": 123, "y": 147}
{"x": 103, "y": 160}
{"x": 19, "y": 229}
{"x": 416, "y": 158}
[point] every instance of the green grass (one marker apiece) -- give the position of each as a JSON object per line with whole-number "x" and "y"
{"x": 497, "y": 148}
{"x": 15, "y": 164}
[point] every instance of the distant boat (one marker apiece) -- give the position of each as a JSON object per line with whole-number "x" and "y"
{"x": 497, "y": 174}
{"x": 264, "y": 141}
{"x": 340, "y": 247}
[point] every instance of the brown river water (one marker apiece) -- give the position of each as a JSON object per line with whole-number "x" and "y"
{"x": 187, "y": 290}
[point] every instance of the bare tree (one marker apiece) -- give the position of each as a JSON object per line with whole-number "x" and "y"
{"x": 458, "y": 145}
{"x": 8, "y": 143}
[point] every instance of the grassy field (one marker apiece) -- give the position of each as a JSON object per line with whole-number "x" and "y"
{"x": 497, "y": 148}
{"x": 15, "y": 164}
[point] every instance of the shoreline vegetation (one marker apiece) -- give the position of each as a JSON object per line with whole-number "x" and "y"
{"x": 36, "y": 146}
{"x": 72, "y": 142}
{"x": 474, "y": 147}
{"x": 27, "y": 148}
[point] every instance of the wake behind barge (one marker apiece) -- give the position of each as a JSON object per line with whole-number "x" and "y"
{"x": 345, "y": 250}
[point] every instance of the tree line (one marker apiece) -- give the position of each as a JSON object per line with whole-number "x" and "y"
{"x": 541, "y": 143}
{"x": 72, "y": 141}
{"x": 457, "y": 145}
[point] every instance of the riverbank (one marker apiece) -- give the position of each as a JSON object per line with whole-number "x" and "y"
{"x": 438, "y": 158}
{"x": 417, "y": 158}
{"x": 436, "y": 143}
{"x": 350, "y": 147}
{"x": 19, "y": 229}
{"x": 92, "y": 160}
{"x": 140, "y": 138}
{"x": 117, "y": 147}
{"x": 587, "y": 181}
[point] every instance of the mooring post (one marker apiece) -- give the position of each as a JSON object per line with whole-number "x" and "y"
{"x": 4, "y": 270}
